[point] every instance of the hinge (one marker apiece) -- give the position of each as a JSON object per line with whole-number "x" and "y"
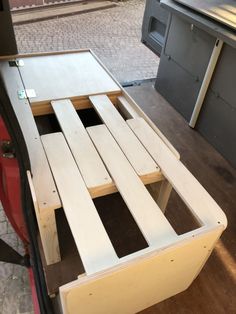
{"x": 16, "y": 63}
{"x": 26, "y": 93}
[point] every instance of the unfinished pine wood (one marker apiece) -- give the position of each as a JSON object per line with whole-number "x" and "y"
{"x": 91, "y": 239}
{"x": 126, "y": 109}
{"x": 142, "y": 282}
{"x": 164, "y": 194}
{"x": 134, "y": 110}
{"x": 151, "y": 221}
{"x": 201, "y": 204}
{"x": 93, "y": 171}
{"x": 47, "y": 228}
{"x": 80, "y": 103}
{"x": 139, "y": 158}
{"x": 65, "y": 76}
{"x": 46, "y": 193}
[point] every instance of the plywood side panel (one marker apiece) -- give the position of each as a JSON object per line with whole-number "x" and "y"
{"x": 141, "y": 283}
{"x": 44, "y": 185}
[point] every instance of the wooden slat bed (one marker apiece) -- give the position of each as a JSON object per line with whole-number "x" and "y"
{"x": 126, "y": 153}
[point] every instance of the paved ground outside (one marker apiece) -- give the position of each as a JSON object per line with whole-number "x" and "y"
{"x": 114, "y": 35}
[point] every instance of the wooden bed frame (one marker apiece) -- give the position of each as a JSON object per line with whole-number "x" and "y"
{"x": 125, "y": 153}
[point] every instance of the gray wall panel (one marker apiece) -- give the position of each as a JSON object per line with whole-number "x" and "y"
{"x": 224, "y": 79}
{"x": 177, "y": 86}
{"x": 189, "y": 46}
{"x": 217, "y": 123}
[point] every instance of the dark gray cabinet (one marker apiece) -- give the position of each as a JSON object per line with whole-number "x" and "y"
{"x": 7, "y": 36}
{"x": 154, "y": 26}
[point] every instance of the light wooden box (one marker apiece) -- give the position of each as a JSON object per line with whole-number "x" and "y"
{"x": 125, "y": 153}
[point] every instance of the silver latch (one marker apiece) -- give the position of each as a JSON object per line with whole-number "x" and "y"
{"x": 26, "y": 93}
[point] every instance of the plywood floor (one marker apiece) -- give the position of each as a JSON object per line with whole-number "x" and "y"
{"x": 214, "y": 291}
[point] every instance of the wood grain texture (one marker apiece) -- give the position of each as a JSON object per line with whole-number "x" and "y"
{"x": 201, "y": 204}
{"x": 68, "y": 76}
{"x": 88, "y": 161}
{"x": 47, "y": 228}
{"x": 45, "y": 189}
{"x": 139, "y": 158}
{"x": 141, "y": 283}
{"x": 92, "y": 241}
{"x": 80, "y": 103}
{"x": 151, "y": 221}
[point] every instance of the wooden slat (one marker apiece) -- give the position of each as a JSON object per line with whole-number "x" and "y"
{"x": 151, "y": 221}
{"x": 44, "y": 185}
{"x": 202, "y": 205}
{"x": 139, "y": 158}
{"x": 92, "y": 241}
{"x": 86, "y": 156}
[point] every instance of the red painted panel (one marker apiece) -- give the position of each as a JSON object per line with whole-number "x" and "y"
{"x": 34, "y": 292}
{"x": 10, "y": 190}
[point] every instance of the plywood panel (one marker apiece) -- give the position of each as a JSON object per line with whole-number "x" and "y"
{"x": 141, "y": 283}
{"x": 65, "y": 76}
{"x": 92, "y": 241}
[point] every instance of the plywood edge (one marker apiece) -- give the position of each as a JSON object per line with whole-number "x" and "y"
{"x": 41, "y": 54}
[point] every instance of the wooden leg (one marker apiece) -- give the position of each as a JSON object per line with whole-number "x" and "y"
{"x": 154, "y": 190}
{"x": 164, "y": 195}
{"x": 49, "y": 238}
{"x": 160, "y": 191}
{"x": 47, "y": 228}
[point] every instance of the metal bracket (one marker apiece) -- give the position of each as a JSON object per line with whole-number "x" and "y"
{"x": 16, "y": 63}
{"x": 26, "y": 93}
{"x": 7, "y": 149}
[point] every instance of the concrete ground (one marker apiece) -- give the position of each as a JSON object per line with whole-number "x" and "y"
{"x": 114, "y": 34}
{"x": 15, "y": 293}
